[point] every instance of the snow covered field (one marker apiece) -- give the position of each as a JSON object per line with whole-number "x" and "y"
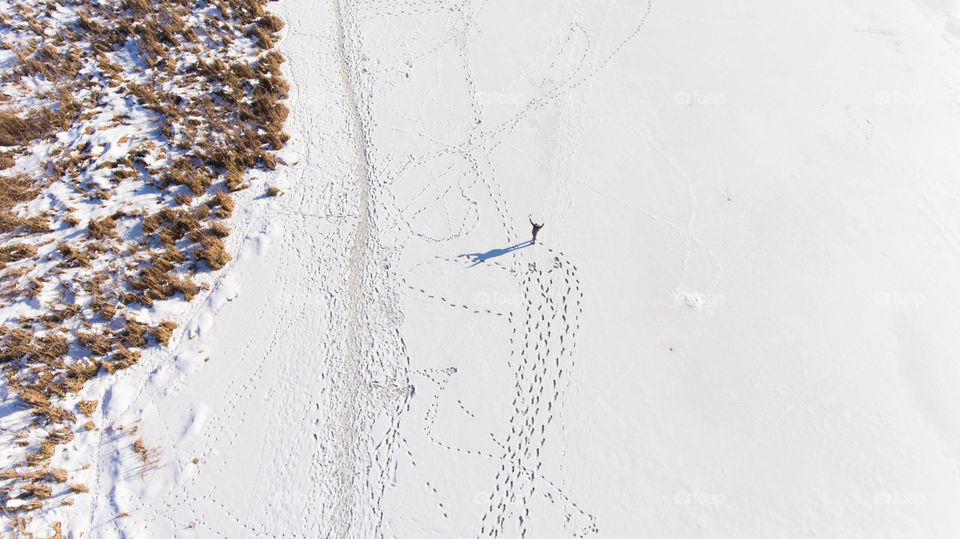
{"x": 738, "y": 321}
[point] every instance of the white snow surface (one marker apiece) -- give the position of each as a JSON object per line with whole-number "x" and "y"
{"x": 738, "y": 321}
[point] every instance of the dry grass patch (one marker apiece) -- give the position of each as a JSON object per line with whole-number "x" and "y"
{"x": 163, "y": 332}
{"x": 101, "y": 229}
{"x": 16, "y": 189}
{"x": 7, "y": 160}
{"x": 213, "y": 252}
{"x": 210, "y": 122}
{"x": 224, "y": 203}
{"x": 87, "y": 408}
{"x": 15, "y": 130}
{"x": 15, "y": 253}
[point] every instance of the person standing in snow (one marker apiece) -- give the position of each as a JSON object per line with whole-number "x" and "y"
{"x": 536, "y": 228}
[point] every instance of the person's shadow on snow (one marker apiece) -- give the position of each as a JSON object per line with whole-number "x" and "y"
{"x": 493, "y": 253}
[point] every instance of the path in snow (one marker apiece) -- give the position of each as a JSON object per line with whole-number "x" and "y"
{"x": 279, "y": 412}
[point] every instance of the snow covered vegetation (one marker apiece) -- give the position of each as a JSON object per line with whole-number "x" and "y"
{"x": 738, "y": 318}
{"x": 124, "y": 126}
